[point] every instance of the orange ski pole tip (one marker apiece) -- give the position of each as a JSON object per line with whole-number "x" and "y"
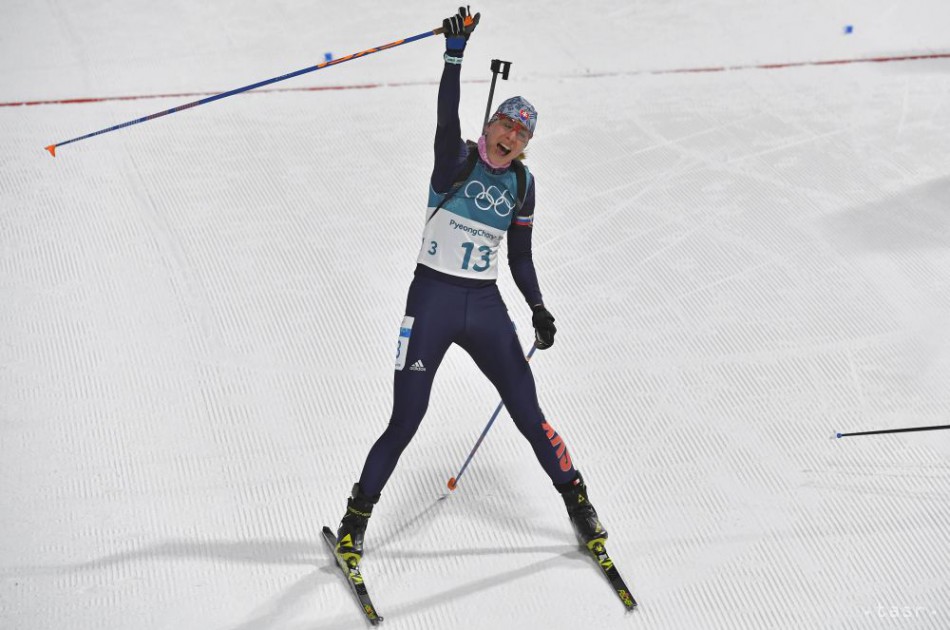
{"x": 452, "y": 483}
{"x": 52, "y": 149}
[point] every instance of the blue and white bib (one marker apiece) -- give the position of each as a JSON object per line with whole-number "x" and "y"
{"x": 462, "y": 238}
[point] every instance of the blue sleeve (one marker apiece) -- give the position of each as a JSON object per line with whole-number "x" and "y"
{"x": 450, "y": 150}
{"x": 520, "y": 260}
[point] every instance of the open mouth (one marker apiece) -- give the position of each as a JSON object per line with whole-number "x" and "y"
{"x": 504, "y": 150}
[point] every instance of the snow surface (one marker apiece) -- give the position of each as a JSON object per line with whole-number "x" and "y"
{"x": 198, "y": 317}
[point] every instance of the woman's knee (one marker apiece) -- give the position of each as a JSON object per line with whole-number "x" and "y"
{"x": 399, "y": 433}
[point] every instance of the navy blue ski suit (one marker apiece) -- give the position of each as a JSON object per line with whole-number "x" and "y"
{"x": 454, "y": 298}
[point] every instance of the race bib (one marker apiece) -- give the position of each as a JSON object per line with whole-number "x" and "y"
{"x": 402, "y": 349}
{"x": 461, "y": 247}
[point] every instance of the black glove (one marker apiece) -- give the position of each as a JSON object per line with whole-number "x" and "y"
{"x": 455, "y": 26}
{"x": 544, "y": 327}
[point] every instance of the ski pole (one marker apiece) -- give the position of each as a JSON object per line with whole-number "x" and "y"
{"x": 453, "y": 482}
{"x": 369, "y": 51}
{"x": 497, "y": 66}
{"x": 911, "y": 429}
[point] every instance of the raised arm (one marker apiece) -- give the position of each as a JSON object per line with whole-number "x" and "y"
{"x": 450, "y": 150}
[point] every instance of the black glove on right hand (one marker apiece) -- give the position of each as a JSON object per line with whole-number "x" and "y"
{"x": 544, "y": 327}
{"x": 461, "y": 24}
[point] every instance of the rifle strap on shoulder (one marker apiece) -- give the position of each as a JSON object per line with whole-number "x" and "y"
{"x": 522, "y": 184}
{"x": 470, "y": 161}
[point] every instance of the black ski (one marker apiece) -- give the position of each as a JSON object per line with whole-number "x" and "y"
{"x": 354, "y": 578}
{"x": 599, "y": 553}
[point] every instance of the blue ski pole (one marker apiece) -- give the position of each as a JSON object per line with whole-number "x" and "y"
{"x": 453, "y": 482}
{"x": 369, "y": 51}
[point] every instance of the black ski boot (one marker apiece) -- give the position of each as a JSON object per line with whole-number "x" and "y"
{"x": 583, "y": 516}
{"x": 349, "y": 537}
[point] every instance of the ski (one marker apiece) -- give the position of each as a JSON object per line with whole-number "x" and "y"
{"x": 354, "y": 578}
{"x": 599, "y": 553}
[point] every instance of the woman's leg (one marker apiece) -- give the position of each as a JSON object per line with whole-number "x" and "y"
{"x": 428, "y": 329}
{"x": 436, "y": 310}
{"x": 491, "y": 340}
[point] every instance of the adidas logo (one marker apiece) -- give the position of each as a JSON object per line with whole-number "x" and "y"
{"x": 417, "y": 366}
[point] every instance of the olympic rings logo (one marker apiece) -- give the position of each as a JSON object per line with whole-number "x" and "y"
{"x": 490, "y": 198}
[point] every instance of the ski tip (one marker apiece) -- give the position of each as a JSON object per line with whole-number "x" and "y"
{"x": 52, "y": 149}
{"x": 452, "y": 484}
{"x": 628, "y": 601}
